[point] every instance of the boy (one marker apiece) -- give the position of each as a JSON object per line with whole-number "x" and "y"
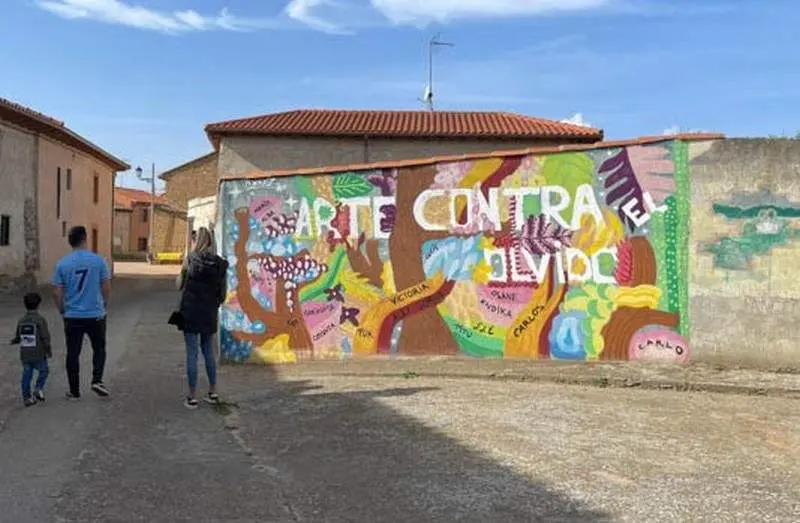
{"x": 33, "y": 338}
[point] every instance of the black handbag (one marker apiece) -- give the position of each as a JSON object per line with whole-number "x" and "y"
{"x": 176, "y": 319}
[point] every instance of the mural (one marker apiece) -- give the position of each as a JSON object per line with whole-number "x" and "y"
{"x": 569, "y": 256}
{"x": 767, "y": 222}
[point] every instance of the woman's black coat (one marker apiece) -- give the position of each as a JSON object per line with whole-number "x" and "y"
{"x": 204, "y": 290}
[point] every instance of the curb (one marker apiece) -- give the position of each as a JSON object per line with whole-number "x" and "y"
{"x": 598, "y": 381}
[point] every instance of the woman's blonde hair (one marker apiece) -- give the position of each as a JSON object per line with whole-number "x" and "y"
{"x": 205, "y": 241}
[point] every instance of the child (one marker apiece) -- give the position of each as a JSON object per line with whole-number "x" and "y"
{"x": 33, "y": 337}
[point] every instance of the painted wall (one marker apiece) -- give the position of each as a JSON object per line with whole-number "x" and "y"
{"x": 571, "y": 256}
{"x": 745, "y": 227}
{"x": 203, "y": 212}
{"x": 18, "y": 160}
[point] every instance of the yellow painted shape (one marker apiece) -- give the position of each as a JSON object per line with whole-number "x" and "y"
{"x": 480, "y": 172}
{"x": 275, "y": 351}
{"x": 365, "y": 342}
{"x": 641, "y": 297}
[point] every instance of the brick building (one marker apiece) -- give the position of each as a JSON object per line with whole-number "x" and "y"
{"x": 52, "y": 179}
{"x": 314, "y": 138}
{"x": 132, "y": 216}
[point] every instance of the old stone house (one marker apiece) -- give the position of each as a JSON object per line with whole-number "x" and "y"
{"x": 132, "y": 220}
{"x": 314, "y": 138}
{"x": 52, "y": 179}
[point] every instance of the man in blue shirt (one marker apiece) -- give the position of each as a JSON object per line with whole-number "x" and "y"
{"x": 81, "y": 286}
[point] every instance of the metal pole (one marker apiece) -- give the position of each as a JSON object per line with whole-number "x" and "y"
{"x": 431, "y": 45}
{"x": 152, "y": 210}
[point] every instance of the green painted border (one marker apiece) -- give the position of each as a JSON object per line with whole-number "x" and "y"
{"x": 684, "y": 198}
{"x": 658, "y": 238}
{"x": 330, "y": 279}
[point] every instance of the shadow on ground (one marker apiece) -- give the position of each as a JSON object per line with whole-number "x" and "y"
{"x": 345, "y": 456}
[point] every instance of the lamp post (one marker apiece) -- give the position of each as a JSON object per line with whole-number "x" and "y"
{"x": 152, "y": 180}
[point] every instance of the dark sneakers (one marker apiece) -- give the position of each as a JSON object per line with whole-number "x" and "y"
{"x": 191, "y": 403}
{"x": 29, "y": 402}
{"x": 39, "y": 396}
{"x": 100, "y": 389}
{"x": 72, "y": 397}
{"x": 212, "y": 398}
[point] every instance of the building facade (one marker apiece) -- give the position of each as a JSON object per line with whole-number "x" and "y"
{"x": 133, "y": 217}
{"x": 53, "y": 179}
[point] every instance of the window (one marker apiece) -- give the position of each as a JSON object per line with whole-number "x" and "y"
{"x": 5, "y": 230}
{"x": 141, "y": 245}
{"x": 58, "y": 193}
{"x": 69, "y": 179}
{"x": 144, "y": 215}
{"x": 63, "y": 229}
{"x": 96, "y": 189}
{"x": 94, "y": 240}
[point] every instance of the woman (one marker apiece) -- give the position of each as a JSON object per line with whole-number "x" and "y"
{"x": 203, "y": 282}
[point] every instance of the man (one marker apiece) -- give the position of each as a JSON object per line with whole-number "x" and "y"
{"x": 81, "y": 286}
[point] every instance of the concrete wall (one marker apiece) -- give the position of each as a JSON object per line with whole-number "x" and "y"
{"x": 571, "y": 256}
{"x": 77, "y": 202}
{"x": 242, "y": 154}
{"x": 203, "y": 212}
{"x": 745, "y": 254}
{"x": 18, "y": 166}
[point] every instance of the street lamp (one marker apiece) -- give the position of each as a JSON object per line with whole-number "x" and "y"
{"x": 152, "y": 180}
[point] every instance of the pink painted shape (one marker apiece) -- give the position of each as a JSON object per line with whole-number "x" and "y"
{"x": 659, "y": 345}
{"x": 502, "y": 305}
{"x": 322, "y": 320}
{"x": 264, "y": 207}
{"x": 265, "y": 283}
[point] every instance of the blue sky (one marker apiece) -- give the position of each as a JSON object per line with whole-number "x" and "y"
{"x": 142, "y": 77}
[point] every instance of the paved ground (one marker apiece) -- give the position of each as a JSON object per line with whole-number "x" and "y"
{"x": 319, "y": 448}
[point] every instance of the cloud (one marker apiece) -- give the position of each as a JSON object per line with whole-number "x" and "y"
{"x": 672, "y": 131}
{"x": 306, "y": 12}
{"x": 425, "y": 11}
{"x": 172, "y": 22}
{"x": 577, "y": 119}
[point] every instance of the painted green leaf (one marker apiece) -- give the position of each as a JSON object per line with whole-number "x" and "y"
{"x": 325, "y": 212}
{"x": 350, "y": 186}
{"x": 568, "y": 170}
{"x": 305, "y": 188}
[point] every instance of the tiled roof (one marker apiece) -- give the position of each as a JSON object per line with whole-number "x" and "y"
{"x": 125, "y": 198}
{"x": 39, "y": 123}
{"x": 419, "y": 162}
{"x": 417, "y": 124}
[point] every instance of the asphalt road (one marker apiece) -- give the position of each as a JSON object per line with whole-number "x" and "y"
{"x": 367, "y": 449}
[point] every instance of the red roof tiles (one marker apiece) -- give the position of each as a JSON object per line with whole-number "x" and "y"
{"x": 417, "y": 124}
{"x": 125, "y": 198}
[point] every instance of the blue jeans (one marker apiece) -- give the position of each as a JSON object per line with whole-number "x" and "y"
{"x": 27, "y": 376}
{"x": 204, "y": 340}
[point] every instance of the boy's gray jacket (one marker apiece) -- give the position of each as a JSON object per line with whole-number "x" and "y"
{"x": 33, "y": 338}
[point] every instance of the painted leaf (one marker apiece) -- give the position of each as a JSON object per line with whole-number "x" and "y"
{"x": 325, "y": 212}
{"x": 350, "y": 186}
{"x": 622, "y": 186}
{"x": 540, "y": 237}
{"x": 624, "y": 272}
{"x": 654, "y": 169}
{"x": 567, "y": 170}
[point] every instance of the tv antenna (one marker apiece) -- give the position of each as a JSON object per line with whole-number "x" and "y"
{"x": 434, "y": 43}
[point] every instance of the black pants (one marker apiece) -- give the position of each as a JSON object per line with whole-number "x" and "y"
{"x": 74, "y": 331}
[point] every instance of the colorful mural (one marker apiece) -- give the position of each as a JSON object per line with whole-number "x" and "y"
{"x": 568, "y": 256}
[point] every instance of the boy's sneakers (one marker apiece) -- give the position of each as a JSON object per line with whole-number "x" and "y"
{"x": 29, "y": 402}
{"x": 100, "y": 389}
{"x": 39, "y": 396}
{"x": 191, "y": 403}
{"x": 212, "y": 398}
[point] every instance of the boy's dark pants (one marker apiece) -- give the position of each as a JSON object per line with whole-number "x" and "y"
{"x": 74, "y": 331}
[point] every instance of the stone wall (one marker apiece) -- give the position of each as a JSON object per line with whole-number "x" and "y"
{"x": 745, "y": 253}
{"x": 18, "y": 171}
{"x": 196, "y": 179}
{"x": 169, "y": 231}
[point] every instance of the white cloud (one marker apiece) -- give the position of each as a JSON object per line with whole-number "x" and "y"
{"x": 577, "y": 119}
{"x": 305, "y": 11}
{"x": 671, "y": 131}
{"x": 132, "y": 15}
{"x": 425, "y": 11}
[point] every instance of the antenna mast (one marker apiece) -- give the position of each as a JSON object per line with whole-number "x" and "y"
{"x": 432, "y": 45}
